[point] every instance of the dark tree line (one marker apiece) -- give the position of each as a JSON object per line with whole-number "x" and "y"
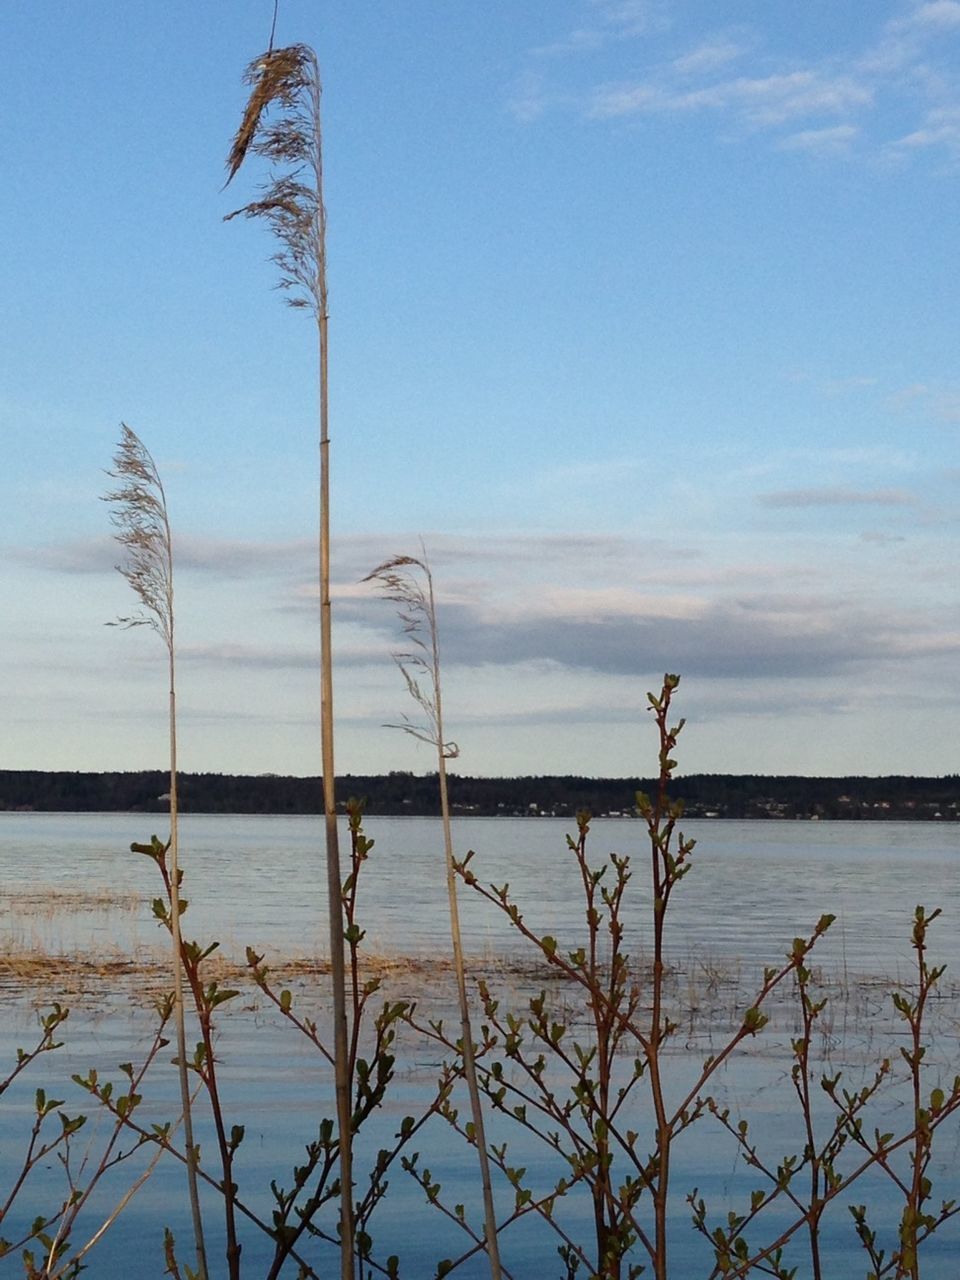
{"x": 713, "y": 795}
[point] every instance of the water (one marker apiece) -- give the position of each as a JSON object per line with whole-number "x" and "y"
{"x": 260, "y": 881}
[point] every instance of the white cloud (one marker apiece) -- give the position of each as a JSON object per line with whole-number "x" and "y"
{"x": 939, "y": 403}
{"x": 832, "y": 141}
{"x": 579, "y": 475}
{"x": 611, "y": 20}
{"x": 902, "y": 81}
{"x": 621, "y": 100}
{"x": 881, "y": 539}
{"x": 630, "y": 17}
{"x": 765, "y": 100}
{"x": 852, "y": 382}
{"x": 749, "y": 636}
{"x": 272, "y": 657}
{"x": 708, "y": 56}
{"x": 947, "y": 407}
{"x": 777, "y": 98}
{"x": 585, "y": 603}
{"x": 582, "y": 40}
{"x": 937, "y": 14}
{"x": 910, "y": 394}
{"x": 941, "y": 128}
{"x": 236, "y": 656}
{"x": 832, "y": 497}
{"x": 226, "y": 558}
{"x": 528, "y": 100}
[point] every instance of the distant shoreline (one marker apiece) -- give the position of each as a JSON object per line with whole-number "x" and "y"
{"x": 400, "y": 794}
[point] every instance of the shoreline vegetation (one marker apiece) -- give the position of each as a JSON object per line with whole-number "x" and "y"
{"x": 401, "y": 793}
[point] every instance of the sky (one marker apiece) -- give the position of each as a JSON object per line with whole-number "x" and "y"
{"x": 643, "y": 318}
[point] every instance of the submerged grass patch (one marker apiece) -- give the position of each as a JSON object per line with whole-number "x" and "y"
{"x": 46, "y": 901}
{"x": 706, "y": 997}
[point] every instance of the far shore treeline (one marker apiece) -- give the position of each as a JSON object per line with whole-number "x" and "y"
{"x": 401, "y": 793}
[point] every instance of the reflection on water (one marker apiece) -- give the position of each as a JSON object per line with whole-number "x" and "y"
{"x": 260, "y": 880}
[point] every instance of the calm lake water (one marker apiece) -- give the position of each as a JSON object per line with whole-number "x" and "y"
{"x": 260, "y": 881}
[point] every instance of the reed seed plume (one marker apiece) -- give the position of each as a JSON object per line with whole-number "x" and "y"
{"x": 139, "y": 516}
{"x": 281, "y": 124}
{"x": 407, "y": 583}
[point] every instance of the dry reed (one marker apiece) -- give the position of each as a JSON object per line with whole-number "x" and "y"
{"x": 287, "y": 81}
{"x": 408, "y": 583}
{"x": 142, "y": 525}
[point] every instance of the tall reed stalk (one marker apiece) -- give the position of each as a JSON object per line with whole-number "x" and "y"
{"x": 287, "y": 81}
{"x": 143, "y": 530}
{"x": 408, "y": 583}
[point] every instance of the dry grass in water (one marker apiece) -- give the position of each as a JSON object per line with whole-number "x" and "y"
{"x": 859, "y": 1005}
{"x": 46, "y": 902}
{"x": 28, "y": 968}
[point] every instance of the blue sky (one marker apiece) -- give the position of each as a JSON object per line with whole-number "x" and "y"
{"x": 643, "y": 316}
